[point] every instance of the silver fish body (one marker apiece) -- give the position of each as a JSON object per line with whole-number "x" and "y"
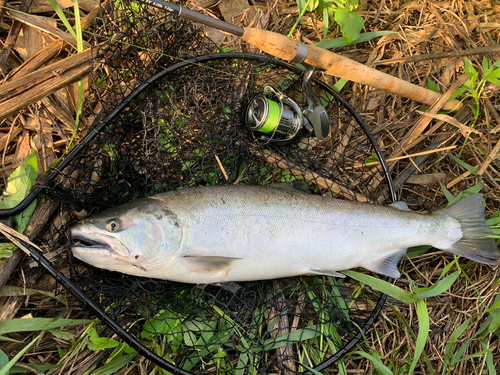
{"x": 240, "y": 233}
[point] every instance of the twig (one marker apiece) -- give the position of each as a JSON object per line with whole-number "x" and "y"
{"x": 421, "y": 124}
{"x": 462, "y": 177}
{"x": 494, "y": 112}
{"x": 15, "y": 236}
{"x": 426, "y": 152}
{"x": 222, "y": 168}
{"x": 412, "y": 168}
{"x": 490, "y": 158}
{"x": 439, "y": 56}
{"x": 464, "y": 129}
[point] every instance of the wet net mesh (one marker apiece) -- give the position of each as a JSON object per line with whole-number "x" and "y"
{"x": 184, "y": 127}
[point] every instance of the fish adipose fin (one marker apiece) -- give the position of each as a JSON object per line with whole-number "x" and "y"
{"x": 470, "y": 213}
{"x": 388, "y": 265}
{"x": 402, "y": 206}
{"x": 296, "y": 186}
{"x": 322, "y": 271}
{"x": 205, "y": 264}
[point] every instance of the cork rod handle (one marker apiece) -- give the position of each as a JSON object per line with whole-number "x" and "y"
{"x": 287, "y": 49}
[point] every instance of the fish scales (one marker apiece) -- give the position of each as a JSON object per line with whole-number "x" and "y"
{"x": 240, "y": 233}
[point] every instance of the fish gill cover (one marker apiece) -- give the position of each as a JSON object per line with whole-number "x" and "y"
{"x": 185, "y": 128}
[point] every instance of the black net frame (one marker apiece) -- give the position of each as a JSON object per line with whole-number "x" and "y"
{"x": 163, "y": 132}
{"x": 98, "y": 176}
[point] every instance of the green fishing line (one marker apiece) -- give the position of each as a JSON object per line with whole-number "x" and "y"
{"x": 273, "y": 117}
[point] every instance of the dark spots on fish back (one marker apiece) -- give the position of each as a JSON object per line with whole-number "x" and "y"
{"x": 137, "y": 257}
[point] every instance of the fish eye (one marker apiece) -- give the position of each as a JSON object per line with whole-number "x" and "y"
{"x": 113, "y": 225}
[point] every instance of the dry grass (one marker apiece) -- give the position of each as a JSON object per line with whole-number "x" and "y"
{"x": 38, "y": 107}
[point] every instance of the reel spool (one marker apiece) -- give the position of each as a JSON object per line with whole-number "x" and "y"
{"x": 283, "y": 120}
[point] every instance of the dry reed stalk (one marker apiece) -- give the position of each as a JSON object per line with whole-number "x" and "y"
{"x": 12, "y": 37}
{"x": 36, "y": 61}
{"x": 40, "y": 24}
{"x": 37, "y": 85}
{"x": 464, "y": 129}
{"x": 361, "y": 165}
{"x": 412, "y": 136}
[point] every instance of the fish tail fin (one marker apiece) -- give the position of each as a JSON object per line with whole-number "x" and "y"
{"x": 470, "y": 213}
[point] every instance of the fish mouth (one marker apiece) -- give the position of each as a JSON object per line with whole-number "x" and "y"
{"x": 79, "y": 241}
{"x": 107, "y": 244}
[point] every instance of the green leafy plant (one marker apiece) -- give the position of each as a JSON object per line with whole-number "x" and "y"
{"x": 18, "y": 187}
{"x": 474, "y": 88}
{"x": 341, "y": 11}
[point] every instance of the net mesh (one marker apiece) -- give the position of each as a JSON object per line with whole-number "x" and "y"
{"x": 185, "y": 127}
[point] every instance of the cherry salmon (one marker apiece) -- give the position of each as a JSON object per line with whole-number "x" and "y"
{"x": 219, "y": 234}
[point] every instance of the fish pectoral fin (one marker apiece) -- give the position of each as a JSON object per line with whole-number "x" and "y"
{"x": 388, "y": 265}
{"x": 205, "y": 264}
{"x": 322, "y": 271}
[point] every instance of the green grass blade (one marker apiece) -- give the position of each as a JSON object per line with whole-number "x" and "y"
{"x": 115, "y": 365}
{"x": 468, "y": 167}
{"x": 313, "y": 371}
{"x": 489, "y": 359}
{"x": 13, "y": 361}
{"x": 441, "y": 286}
{"x": 381, "y": 368}
{"x": 62, "y": 16}
{"x": 417, "y": 250}
{"x": 78, "y": 27}
{"x": 364, "y": 37}
{"x": 38, "y": 324}
{"x": 423, "y": 333}
{"x": 383, "y": 286}
{"x": 4, "y": 359}
{"x": 79, "y": 41}
{"x": 339, "y": 85}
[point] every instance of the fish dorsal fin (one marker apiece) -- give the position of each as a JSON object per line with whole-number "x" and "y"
{"x": 387, "y": 265}
{"x": 402, "y": 206}
{"x": 297, "y": 186}
{"x": 322, "y": 271}
{"x": 207, "y": 264}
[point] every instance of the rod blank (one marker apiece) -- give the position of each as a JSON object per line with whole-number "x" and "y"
{"x": 288, "y": 49}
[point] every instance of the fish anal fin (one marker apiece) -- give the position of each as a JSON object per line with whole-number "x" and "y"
{"x": 230, "y": 286}
{"x": 207, "y": 264}
{"x": 387, "y": 265}
{"x": 322, "y": 271}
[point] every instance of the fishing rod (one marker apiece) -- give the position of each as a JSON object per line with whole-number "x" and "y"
{"x": 288, "y": 49}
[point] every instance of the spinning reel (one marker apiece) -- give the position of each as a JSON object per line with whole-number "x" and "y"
{"x": 282, "y": 120}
